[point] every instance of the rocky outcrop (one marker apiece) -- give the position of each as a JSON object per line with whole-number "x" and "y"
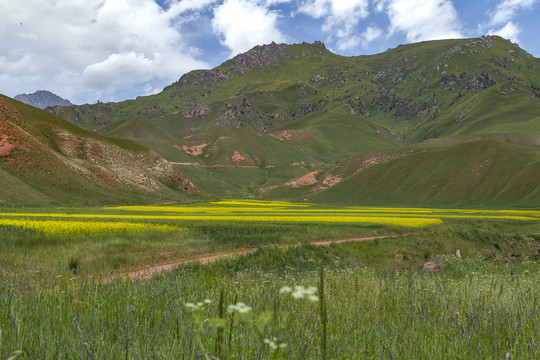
{"x": 151, "y": 109}
{"x": 393, "y": 70}
{"x": 195, "y": 110}
{"x": 480, "y": 81}
{"x": 259, "y": 57}
{"x": 42, "y": 99}
{"x": 204, "y": 78}
{"x": 265, "y": 56}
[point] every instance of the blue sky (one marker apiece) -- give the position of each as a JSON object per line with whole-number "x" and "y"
{"x": 111, "y": 50}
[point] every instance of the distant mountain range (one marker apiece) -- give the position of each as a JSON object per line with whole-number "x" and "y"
{"x": 436, "y": 123}
{"x": 42, "y": 99}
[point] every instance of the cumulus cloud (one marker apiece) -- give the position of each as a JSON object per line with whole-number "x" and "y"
{"x": 128, "y": 67}
{"x": 242, "y": 24}
{"x": 422, "y": 19}
{"x": 277, "y": 2}
{"x": 101, "y": 44}
{"x": 183, "y": 6}
{"x": 504, "y": 13}
{"x": 371, "y": 33}
{"x": 509, "y": 31}
{"x": 507, "y": 9}
{"x": 341, "y": 18}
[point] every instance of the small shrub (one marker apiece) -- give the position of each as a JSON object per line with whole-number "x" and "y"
{"x": 73, "y": 265}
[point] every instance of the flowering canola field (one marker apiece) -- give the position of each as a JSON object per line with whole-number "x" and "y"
{"x": 173, "y": 218}
{"x": 72, "y": 228}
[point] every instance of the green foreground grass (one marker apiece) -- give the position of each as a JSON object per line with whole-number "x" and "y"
{"x": 59, "y": 301}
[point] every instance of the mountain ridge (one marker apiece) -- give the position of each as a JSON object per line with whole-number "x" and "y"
{"x": 42, "y": 99}
{"x": 309, "y": 112}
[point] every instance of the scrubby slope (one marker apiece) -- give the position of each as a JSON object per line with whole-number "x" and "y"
{"x": 44, "y": 159}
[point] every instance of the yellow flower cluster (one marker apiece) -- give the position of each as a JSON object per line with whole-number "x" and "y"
{"x": 66, "y": 227}
{"x": 272, "y": 211}
{"x": 247, "y": 217}
{"x": 259, "y": 203}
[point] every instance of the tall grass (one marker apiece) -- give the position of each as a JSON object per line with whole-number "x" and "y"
{"x": 473, "y": 309}
{"x": 374, "y": 301}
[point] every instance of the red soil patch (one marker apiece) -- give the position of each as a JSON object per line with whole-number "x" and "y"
{"x": 308, "y": 179}
{"x": 12, "y": 137}
{"x": 104, "y": 175}
{"x": 6, "y": 144}
{"x": 329, "y": 180}
{"x": 292, "y": 135}
{"x": 237, "y": 157}
{"x": 194, "y": 150}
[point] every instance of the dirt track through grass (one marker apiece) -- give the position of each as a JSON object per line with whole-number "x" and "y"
{"x": 150, "y": 271}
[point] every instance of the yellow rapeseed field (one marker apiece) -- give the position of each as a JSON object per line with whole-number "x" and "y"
{"x": 123, "y": 218}
{"x": 67, "y": 227}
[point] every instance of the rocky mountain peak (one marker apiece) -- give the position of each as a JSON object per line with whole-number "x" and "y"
{"x": 42, "y": 99}
{"x": 264, "y": 56}
{"x": 259, "y": 57}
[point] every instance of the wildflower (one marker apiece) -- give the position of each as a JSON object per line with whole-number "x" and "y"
{"x": 301, "y": 292}
{"x": 274, "y": 344}
{"x": 239, "y": 308}
{"x": 285, "y": 290}
{"x": 197, "y": 306}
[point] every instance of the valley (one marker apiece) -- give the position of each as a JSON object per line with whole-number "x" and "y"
{"x": 280, "y": 112}
{"x": 290, "y": 203}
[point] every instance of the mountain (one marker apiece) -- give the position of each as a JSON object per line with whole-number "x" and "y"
{"x": 42, "y": 99}
{"x": 297, "y": 121}
{"x": 46, "y": 160}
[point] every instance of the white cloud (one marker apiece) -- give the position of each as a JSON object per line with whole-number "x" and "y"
{"x": 371, "y": 33}
{"x": 504, "y": 13}
{"x": 423, "y": 19}
{"x": 19, "y": 66}
{"x": 243, "y": 24}
{"x": 269, "y": 3}
{"x": 379, "y": 5}
{"x": 127, "y": 68}
{"x": 183, "y": 6}
{"x": 341, "y": 18}
{"x": 509, "y": 31}
{"x": 506, "y": 10}
{"x": 86, "y": 38}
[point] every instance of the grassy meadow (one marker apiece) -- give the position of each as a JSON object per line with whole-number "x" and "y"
{"x": 63, "y": 294}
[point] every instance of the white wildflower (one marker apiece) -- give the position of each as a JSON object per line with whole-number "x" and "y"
{"x": 285, "y": 290}
{"x": 197, "y": 306}
{"x": 275, "y": 344}
{"x": 239, "y": 308}
{"x": 301, "y": 292}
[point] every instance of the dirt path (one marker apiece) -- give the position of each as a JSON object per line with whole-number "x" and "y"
{"x": 210, "y": 258}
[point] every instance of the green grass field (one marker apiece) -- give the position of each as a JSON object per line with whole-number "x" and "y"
{"x": 61, "y": 296}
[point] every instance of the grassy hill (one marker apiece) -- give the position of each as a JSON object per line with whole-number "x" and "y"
{"x": 472, "y": 174}
{"x": 46, "y": 160}
{"x": 286, "y": 112}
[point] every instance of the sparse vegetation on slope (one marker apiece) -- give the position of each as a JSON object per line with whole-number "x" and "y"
{"x": 45, "y": 159}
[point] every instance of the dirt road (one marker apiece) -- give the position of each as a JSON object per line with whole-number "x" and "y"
{"x": 210, "y": 258}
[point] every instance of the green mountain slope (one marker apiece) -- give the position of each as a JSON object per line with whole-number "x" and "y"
{"x": 480, "y": 173}
{"x": 44, "y": 159}
{"x": 420, "y": 91}
{"x": 299, "y": 119}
